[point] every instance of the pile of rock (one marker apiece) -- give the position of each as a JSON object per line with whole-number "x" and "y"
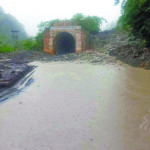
{"x": 11, "y": 72}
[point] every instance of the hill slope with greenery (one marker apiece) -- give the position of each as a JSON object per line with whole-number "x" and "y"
{"x": 136, "y": 19}
{"x": 7, "y": 24}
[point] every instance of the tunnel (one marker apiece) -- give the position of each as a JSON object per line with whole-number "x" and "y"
{"x": 64, "y": 43}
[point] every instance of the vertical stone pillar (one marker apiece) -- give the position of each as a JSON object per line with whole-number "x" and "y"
{"x": 78, "y": 42}
{"x": 46, "y": 41}
{"x": 51, "y": 47}
{"x": 83, "y": 39}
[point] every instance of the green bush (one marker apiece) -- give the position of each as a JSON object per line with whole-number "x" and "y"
{"x": 5, "y": 47}
{"x": 29, "y": 44}
{"x": 136, "y": 19}
{"x": 34, "y": 43}
{"x": 90, "y": 24}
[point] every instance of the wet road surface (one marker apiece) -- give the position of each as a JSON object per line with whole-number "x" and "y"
{"x": 71, "y": 106}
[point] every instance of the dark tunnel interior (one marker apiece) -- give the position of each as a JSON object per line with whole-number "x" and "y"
{"x": 64, "y": 43}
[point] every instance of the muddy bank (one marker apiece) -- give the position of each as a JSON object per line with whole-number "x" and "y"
{"x": 89, "y": 56}
{"x": 11, "y": 72}
{"x": 13, "y": 66}
{"x": 73, "y": 106}
{"x": 123, "y": 47}
{"x": 132, "y": 55}
{"x": 14, "y": 77}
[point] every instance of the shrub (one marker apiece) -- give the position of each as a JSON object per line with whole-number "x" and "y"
{"x": 29, "y": 44}
{"x": 90, "y": 24}
{"x": 5, "y": 47}
{"x": 136, "y": 19}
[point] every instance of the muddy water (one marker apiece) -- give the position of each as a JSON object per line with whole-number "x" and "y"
{"x": 72, "y": 106}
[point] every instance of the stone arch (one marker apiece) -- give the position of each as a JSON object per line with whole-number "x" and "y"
{"x": 64, "y": 42}
{"x": 74, "y": 32}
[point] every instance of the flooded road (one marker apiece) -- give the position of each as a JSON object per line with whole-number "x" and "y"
{"x": 71, "y": 106}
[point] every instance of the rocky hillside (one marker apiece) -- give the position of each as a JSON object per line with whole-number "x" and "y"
{"x": 124, "y": 47}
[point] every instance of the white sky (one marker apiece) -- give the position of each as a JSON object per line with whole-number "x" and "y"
{"x": 31, "y": 12}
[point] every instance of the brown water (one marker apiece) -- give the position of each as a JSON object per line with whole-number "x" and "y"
{"x": 72, "y": 106}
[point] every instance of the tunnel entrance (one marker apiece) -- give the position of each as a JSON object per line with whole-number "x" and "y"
{"x": 64, "y": 43}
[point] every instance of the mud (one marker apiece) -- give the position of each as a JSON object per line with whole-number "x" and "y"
{"x": 123, "y": 47}
{"x": 18, "y": 85}
{"x": 78, "y": 106}
{"x": 16, "y": 65}
{"x": 13, "y": 66}
{"x": 88, "y": 101}
{"x": 10, "y": 73}
{"x": 90, "y": 56}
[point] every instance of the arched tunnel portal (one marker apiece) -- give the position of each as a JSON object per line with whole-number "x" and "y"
{"x": 64, "y": 43}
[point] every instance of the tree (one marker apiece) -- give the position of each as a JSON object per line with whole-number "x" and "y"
{"x": 89, "y": 24}
{"x": 46, "y": 24}
{"x": 136, "y": 19}
{"x": 5, "y": 47}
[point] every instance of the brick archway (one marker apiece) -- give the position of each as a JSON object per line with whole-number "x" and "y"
{"x": 74, "y": 31}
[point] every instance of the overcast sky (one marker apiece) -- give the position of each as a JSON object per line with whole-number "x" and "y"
{"x": 31, "y": 12}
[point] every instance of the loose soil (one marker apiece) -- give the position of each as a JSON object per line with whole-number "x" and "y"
{"x": 14, "y": 65}
{"x": 124, "y": 48}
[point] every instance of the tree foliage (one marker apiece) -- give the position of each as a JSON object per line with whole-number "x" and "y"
{"x": 89, "y": 24}
{"x": 46, "y": 24}
{"x": 4, "y": 46}
{"x": 136, "y": 19}
{"x": 36, "y": 43}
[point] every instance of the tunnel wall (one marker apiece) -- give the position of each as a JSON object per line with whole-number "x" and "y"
{"x": 64, "y": 43}
{"x": 75, "y": 31}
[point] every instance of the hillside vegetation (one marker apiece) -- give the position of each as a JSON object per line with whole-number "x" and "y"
{"x": 135, "y": 19}
{"x": 9, "y": 23}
